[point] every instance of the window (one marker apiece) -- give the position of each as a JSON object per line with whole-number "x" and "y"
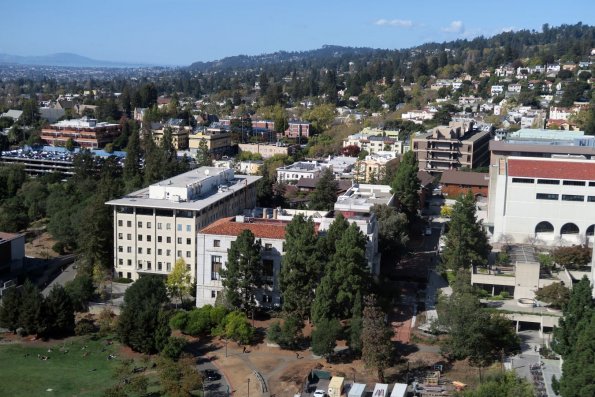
{"x": 188, "y": 254}
{"x": 215, "y": 267}
{"x": 140, "y": 264}
{"x": 569, "y": 228}
{"x": 268, "y": 246}
{"x": 548, "y": 181}
{"x": 216, "y": 243}
{"x": 121, "y": 262}
{"x": 140, "y": 250}
{"x": 572, "y": 197}
{"x": 129, "y": 263}
{"x": 120, "y": 248}
{"x": 179, "y": 253}
{"x": 213, "y": 294}
{"x": 592, "y": 183}
{"x": 129, "y": 223}
{"x": 179, "y": 240}
{"x": 267, "y": 298}
{"x": 168, "y": 226}
{"x": 159, "y": 239}
{"x": 129, "y": 236}
{"x": 168, "y": 266}
{"x": 159, "y": 226}
{"x": 188, "y": 241}
{"x": 148, "y": 251}
{"x": 168, "y": 253}
{"x": 148, "y": 265}
{"x": 120, "y": 236}
{"x": 168, "y": 240}
{"x": 140, "y": 237}
{"x": 159, "y": 251}
{"x": 139, "y": 224}
{"x": 148, "y": 225}
{"x": 523, "y": 180}
{"x": 129, "y": 250}
{"x": 159, "y": 266}
{"x": 573, "y": 183}
{"x": 148, "y": 237}
{"x": 179, "y": 227}
{"x": 188, "y": 228}
{"x": 591, "y": 199}
{"x": 546, "y": 196}
{"x": 267, "y": 267}
{"x": 188, "y": 267}
{"x": 120, "y": 223}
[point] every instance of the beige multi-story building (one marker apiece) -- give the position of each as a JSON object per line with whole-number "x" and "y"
{"x": 267, "y": 150}
{"x": 373, "y": 167}
{"x": 155, "y": 226}
{"x": 375, "y": 143}
{"x": 451, "y": 147}
{"x": 218, "y": 140}
{"x": 179, "y": 133}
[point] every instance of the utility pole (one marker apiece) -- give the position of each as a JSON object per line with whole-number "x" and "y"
{"x": 248, "y": 387}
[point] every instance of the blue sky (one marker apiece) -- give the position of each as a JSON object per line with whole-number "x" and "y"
{"x": 179, "y": 32}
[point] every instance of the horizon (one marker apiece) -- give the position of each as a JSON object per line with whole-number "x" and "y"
{"x": 140, "y": 35}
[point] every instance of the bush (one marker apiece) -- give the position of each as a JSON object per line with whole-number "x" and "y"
{"x": 179, "y": 320}
{"x": 236, "y": 326}
{"x": 324, "y": 337}
{"x": 505, "y": 295}
{"x": 174, "y": 347}
{"x": 123, "y": 280}
{"x": 288, "y": 335}
{"x": 84, "y": 327}
{"x": 59, "y": 248}
{"x": 199, "y": 321}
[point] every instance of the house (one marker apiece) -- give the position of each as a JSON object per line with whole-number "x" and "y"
{"x": 298, "y": 170}
{"x": 155, "y": 226}
{"x": 13, "y": 114}
{"x": 496, "y": 90}
{"x": 373, "y": 167}
{"x": 515, "y": 88}
{"x": 455, "y": 183}
{"x": 375, "y": 143}
{"x": 179, "y": 133}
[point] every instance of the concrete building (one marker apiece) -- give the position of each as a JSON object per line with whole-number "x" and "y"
{"x": 373, "y": 166}
{"x": 550, "y": 201}
{"x": 451, "y": 147}
{"x": 179, "y": 133}
{"x": 375, "y": 143}
{"x": 298, "y": 129}
{"x": 267, "y": 150}
{"x": 298, "y": 170}
{"x": 12, "y": 252}
{"x": 218, "y": 139}
{"x": 155, "y": 226}
{"x": 85, "y": 132}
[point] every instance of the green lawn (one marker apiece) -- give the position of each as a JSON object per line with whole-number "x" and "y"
{"x": 67, "y": 374}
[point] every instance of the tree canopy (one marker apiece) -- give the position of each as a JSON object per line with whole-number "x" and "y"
{"x": 406, "y": 185}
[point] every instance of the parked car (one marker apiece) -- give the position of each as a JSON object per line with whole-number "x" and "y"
{"x": 211, "y": 375}
{"x": 319, "y": 393}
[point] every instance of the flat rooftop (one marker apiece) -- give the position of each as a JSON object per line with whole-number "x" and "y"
{"x": 364, "y": 195}
{"x": 203, "y": 186}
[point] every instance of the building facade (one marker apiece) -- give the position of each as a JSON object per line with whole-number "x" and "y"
{"x": 298, "y": 170}
{"x": 218, "y": 140}
{"x": 85, "y": 132}
{"x": 267, "y": 150}
{"x": 155, "y": 226}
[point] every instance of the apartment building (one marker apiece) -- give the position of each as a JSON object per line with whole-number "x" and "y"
{"x": 217, "y": 138}
{"x": 268, "y": 150}
{"x": 451, "y": 147}
{"x": 373, "y": 166}
{"x": 298, "y": 129}
{"x": 298, "y": 170}
{"x": 179, "y": 133}
{"x": 375, "y": 143}
{"x": 85, "y": 132}
{"x": 155, "y": 226}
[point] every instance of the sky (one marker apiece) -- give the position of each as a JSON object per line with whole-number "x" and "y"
{"x": 179, "y": 32}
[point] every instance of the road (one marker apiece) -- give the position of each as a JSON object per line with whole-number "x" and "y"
{"x": 217, "y": 388}
{"x": 65, "y": 276}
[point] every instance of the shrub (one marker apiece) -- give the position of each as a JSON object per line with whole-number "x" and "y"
{"x": 84, "y": 327}
{"x": 199, "y": 321}
{"x": 59, "y": 248}
{"x": 179, "y": 320}
{"x": 174, "y": 347}
{"x": 236, "y": 326}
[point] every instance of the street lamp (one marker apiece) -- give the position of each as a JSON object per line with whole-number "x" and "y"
{"x": 248, "y": 387}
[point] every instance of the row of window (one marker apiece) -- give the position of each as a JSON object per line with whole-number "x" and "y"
{"x": 148, "y": 251}
{"x": 565, "y": 197}
{"x": 139, "y": 237}
{"x": 149, "y": 266}
{"x": 148, "y": 225}
{"x": 553, "y": 182}
{"x": 267, "y": 246}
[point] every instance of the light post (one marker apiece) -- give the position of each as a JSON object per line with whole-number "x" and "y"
{"x": 248, "y": 387}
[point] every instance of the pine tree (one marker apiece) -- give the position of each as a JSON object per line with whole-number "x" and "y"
{"x": 300, "y": 270}
{"x": 324, "y": 306}
{"x": 406, "y": 185}
{"x": 203, "y": 154}
{"x": 10, "y": 309}
{"x": 466, "y": 241}
{"x": 578, "y": 368}
{"x": 132, "y": 171}
{"x": 242, "y": 275}
{"x": 324, "y": 195}
{"x": 324, "y": 336}
{"x": 59, "y": 312}
{"x": 356, "y": 326}
{"x": 376, "y": 338}
{"x": 335, "y": 231}
{"x": 30, "y": 313}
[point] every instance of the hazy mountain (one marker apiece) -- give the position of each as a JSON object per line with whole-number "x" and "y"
{"x": 63, "y": 59}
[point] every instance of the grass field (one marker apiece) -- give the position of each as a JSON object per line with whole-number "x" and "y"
{"x": 83, "y": 371}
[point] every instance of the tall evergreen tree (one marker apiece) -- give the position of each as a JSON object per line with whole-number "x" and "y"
{"x": 242, "y": 275}
{"x": 59, "y": 312}
{"x": 10, "y": 309}
{"x": 406, "y": 185}
{"x": 376, "y": 338}
{"x": 324, "y": 195}
{"x": 466, "y": 241}
{"x": 578, "y": 369}
{"x": 300, "y": 270}
{"x": 132, "y": 169}
{"x": 30, "y": 313}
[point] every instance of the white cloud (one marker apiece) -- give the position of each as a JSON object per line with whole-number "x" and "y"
{"x": 454, "y": 27}
{"x": 402, "y": 23}
{"x": 508, "y": 29}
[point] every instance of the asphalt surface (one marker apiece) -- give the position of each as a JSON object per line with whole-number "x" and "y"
{"x": 214, "y": 388}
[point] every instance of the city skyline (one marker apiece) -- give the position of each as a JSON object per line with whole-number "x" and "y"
{"x": 180, "y": 32}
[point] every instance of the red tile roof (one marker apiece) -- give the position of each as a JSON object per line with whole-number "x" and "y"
{"x": 262, "y": 228}
{"x": 577, "y": 170}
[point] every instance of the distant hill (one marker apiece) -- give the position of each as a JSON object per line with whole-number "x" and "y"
{"x": 63, "y": 59}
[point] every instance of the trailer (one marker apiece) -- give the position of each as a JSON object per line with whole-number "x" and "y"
{"x": 380, "y": 390}
{"x": 357, "y": 390}
{"x": 335, "y": 386}
{"x": 399, "y": 390}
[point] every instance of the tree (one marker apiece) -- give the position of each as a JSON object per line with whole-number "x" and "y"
{"x": 376, "y": 338}
{"x": 236, "y": 326}
{"x": 30, "y": 312}
{"x": 392, "y": 230}
{"x": 579, "y": 307}
{"x": 174, "y": 347}
{"x": 324, "y": 337}
{"x": 556, "y": 295}
{"x": 466, "y": 242}
{"x": 242, "y": 276}
{"x": 132, "y": 165}
{"x": 324, "y": 195}
{"x": 58, "y": 312}
{"x": 572, "y": 258}
{"x": 289, "y": 334}
{"x": 356, "y": 326}
{"x": 141, "y": 321}
{"x": 321, "y": 117}
{"x": 406, "y": 185}
{"x": 300, "y": 270}
{"x": 178, "y": 379}
{"x": 502, "y": 385}
{"x": 80, "y": 290}
{"x": 10, "y": 309}
{"x": 579, "y": 364}
{"x": 179, "y": 281}
{"x": 203, "y": 154}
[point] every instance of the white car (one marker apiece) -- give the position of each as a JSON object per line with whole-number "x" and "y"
{"x": 319, "y": 393}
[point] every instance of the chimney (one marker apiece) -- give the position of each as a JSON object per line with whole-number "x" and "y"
{"x": 275, "y": 213}
{"x": 264, "y": 213}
